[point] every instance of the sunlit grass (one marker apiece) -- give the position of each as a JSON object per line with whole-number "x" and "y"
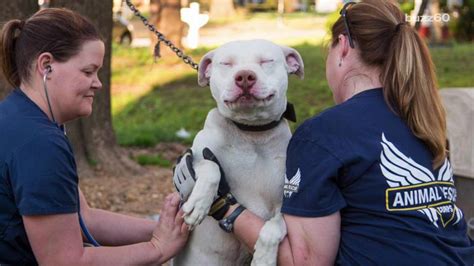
{"x": 303, "y": 20}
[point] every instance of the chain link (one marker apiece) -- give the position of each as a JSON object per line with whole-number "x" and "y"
{"x": 186, "y": 59}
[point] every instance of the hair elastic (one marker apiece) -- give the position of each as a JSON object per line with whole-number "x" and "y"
{"x": 19, "y": 28}
{"x": 397, "y": 28}
{"x": 22, "y": 24}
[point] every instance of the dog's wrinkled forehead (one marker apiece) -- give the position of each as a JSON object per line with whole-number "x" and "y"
{"x": 246, "y": 52}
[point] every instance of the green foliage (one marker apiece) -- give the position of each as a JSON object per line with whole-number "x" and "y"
{"x": 152, "y": 160}
{"x": 464, "y": 30}
{"x": 269, "y": 5}
{"x": 407, "y": 6}
{"x": 175, "y": 101}
{"x": 92, "y": 162}
{"x": 332, "y": 18}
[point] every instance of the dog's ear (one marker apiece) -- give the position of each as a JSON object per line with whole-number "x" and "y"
{"x": 205, "y": 69}
{"x": 293, "y": 61}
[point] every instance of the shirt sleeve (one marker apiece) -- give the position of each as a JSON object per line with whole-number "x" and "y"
{"x": 310, "y": 183}
{"x": 44, "y": 177}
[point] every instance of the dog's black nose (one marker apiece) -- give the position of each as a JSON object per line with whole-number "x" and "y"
{"x": 245, "y": 79}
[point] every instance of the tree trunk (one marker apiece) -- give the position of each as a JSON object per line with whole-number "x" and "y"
{"x": 222, "y": 9}
{"x": 437, "y": 25}
{"x": 165, "y": 15}
{"x": 291, "y": 5}
{"x": 93, "y": 138}
{"x": 20, "y": 9}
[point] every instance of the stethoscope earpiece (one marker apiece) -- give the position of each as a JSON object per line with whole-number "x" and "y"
{"x": 48, "y": 69}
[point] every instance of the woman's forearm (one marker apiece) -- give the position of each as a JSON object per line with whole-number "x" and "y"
{"x": 115, "y": 229}
{"x": 137, "y": 254}
{"x": 144, "y": 253}
{"x": 247, "y": 228}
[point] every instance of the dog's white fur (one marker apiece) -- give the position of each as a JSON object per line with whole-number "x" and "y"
{"x": 254, "y": 162}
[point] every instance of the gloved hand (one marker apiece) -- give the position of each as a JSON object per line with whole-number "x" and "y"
{"x": 224, "y": 198}
{"x": 184, "y": 179}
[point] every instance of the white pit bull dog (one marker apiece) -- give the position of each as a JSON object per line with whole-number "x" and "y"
{"x": 248, "y": 135}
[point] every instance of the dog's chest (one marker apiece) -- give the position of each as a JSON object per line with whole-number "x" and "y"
{"x": 255, "y": 174}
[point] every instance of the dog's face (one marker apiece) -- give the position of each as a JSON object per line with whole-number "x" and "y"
{"x": 249, "y": 79}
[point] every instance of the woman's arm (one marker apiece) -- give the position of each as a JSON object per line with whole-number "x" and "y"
{"x": 114, "y": 229}
{"x": 310, "y": 241}
{"x": 56, "y": 240}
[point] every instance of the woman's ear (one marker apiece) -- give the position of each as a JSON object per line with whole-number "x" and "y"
{"x": 344, "y": 45}
{"x": 44, "y": 63}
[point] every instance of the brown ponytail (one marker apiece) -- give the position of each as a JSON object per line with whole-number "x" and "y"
{"x": 410, "y": 85}
{"x": 386, "y": 41}
{"x": 58, "y": 31}
{"x": 10, "y": 32}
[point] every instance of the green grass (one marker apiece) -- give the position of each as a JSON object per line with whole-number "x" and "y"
{"x": 454, "y": 67}
{"x": 152, "y": 160}
{"x": 157, "y": 99}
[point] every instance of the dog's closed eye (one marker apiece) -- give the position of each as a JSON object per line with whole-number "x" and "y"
{"x": 229, "y": 64}
{"x": 265, "y": 61}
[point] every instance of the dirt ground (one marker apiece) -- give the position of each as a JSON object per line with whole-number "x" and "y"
{"x": 138, "y": 195}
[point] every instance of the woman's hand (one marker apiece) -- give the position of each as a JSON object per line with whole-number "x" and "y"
{"x": 171, "y": 233}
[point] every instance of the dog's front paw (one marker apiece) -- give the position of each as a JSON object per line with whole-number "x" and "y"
{"x": 266, "y": 248}
{"x": 197, "y": 206}
{"x": 195, "y": 210}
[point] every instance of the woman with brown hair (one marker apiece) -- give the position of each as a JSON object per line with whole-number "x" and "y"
{"x": 369, "y": 180}
{"x": 52, "y": 61}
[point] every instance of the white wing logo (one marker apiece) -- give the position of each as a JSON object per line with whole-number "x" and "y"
{"x": 413, "y": 186}
{"x": 292, "y": 185}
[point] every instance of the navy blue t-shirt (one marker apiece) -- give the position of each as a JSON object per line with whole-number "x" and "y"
{"x": 37, "y": 174}
{"x": 361, "y": 159}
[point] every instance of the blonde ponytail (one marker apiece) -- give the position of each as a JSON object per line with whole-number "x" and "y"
{"x": 410, "y": 86}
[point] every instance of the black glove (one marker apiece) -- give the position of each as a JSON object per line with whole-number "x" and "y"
{"x": 224, "y": 198}
{"x": 184, "y": 179}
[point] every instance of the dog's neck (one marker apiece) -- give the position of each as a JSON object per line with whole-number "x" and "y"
{"x": 288, "y": 114}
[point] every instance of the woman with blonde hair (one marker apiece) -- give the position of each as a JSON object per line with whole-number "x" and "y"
{"x": 375, "y": 185}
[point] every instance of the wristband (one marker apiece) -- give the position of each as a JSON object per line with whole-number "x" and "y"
{"x": 220, "y": 206}
{"x": 227, "y": 224}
